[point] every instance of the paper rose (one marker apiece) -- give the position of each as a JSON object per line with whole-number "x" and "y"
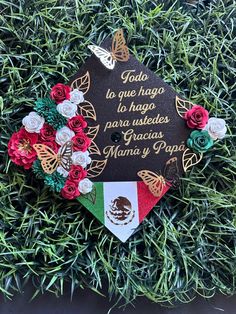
{"x": 64, "y": 135}
{"x": 70, "y": 190}
{"x": 20, "y": 148}
{"x": 81, "y": 158}
{"x": 33, "y": 122}
{"x": 199, "y": 141}
{"x": 216, "y": 128}
{"x": 196, "y": 117}
{"x": 62, "y": 171}
{"x": 47, "y": 133}
{"x": 76, "y": 96}
{"x": 60, "y": 92}
{"x": 67, "y": 109}
{"x": 85, "y": 186}
{"x": 77, "y": 173}
{"x": 81, "y": 142}
{"x": 77, "y": 123}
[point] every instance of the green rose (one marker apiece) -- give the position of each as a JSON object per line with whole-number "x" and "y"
{"x": 199, "y": 141}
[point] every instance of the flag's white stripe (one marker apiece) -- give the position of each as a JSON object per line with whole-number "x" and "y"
{"x": 116, "y": 194}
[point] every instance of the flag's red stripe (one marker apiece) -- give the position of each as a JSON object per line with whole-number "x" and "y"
{"x": 146, "y": 200}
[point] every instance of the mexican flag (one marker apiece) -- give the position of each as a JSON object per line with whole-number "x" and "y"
{"x": 120, "y": 206}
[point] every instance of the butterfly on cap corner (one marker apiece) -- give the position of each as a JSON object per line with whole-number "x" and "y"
{"x": 156, "y": 183}
{"x": 51, "y": 160}
{"x": 119, "y": 51}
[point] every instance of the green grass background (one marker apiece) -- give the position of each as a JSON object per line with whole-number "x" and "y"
{"x": 186, "y": 245}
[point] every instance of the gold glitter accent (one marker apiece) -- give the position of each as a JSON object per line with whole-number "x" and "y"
{"x": 25, "y": 145}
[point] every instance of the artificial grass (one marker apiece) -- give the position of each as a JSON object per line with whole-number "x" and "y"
{"x": 186, "y": 245}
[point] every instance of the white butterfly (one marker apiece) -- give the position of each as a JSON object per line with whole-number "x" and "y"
{"x": 119, "y": 51}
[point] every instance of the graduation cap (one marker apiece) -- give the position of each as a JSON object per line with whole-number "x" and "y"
{"x": 117, "y": 138}
{"x": 138, "y": 136}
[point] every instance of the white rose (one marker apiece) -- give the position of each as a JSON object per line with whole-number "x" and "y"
{"x": 81, "y": 158}
{"x": 33, "y": 122}
{"x": 85, "y": 186}
{"x": 67, "y": 109}
{"x": 76, "y": 96}
{"x": 62, "y": 171}
{"x": 64, "y": 135}
{"x": 216, "y": 128}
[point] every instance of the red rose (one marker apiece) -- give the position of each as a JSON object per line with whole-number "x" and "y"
{"x": 20, "y": 148}
{"x": 80, "y": 142}
{"x": 196, "y": 117}
{"x": 60, "y": 92}
{"x": 47, "y": 133}
{"x": 70, "y": 190}
{"x": 77, "y": 124}
{"x": 77, "y": 173}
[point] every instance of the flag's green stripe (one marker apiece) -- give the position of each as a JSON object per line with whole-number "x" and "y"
{"x": 97, "y": 209}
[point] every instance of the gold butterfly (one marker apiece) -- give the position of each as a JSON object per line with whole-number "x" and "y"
{"x": 119, "y": 51}
{"x": 156, "y": 183}
{"x": 51, "y": 160}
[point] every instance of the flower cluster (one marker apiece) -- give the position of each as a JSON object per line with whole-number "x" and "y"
{"x": 54, "y": 122}
{"x": 208, "y": 129}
